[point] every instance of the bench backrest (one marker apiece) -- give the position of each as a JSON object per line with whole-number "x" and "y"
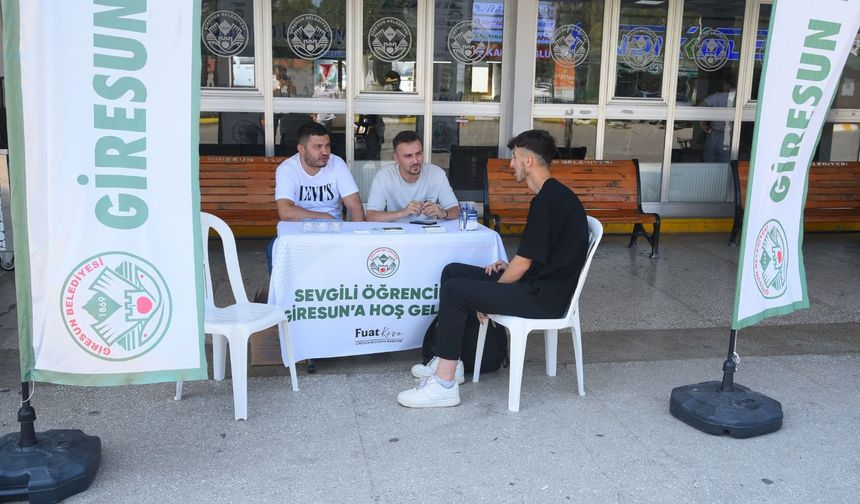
{"x": 231, "y": 185}
{"x": 600, "y": 184}
{"x": 832, "y": 184}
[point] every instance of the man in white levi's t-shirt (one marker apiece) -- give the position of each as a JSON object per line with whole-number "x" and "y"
{"x": 314, "y": 183}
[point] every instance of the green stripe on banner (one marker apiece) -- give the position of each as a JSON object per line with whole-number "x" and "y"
{"x": 202, "y": 373}
{"x": 15, "y": 127}
{"x": 113, "y": 379}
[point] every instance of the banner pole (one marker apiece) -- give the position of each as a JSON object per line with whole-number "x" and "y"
{"x": 26, "y": 417}
{"x": 730, "y": 365}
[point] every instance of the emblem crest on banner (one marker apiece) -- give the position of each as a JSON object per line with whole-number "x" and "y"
{"x": 383, "y": 262}
{"x": 309, "y": 36}
{"x": 116, "y": 306}
{"x": 389, "y": 39}
{"x": 770, "y": 260}
{"x": 641, "y": 48}
{"x": 711, "y": 50}
{"x": 225, "y": 33}
{"x": 468, "y": 41}
{"x": 570, "y": 45}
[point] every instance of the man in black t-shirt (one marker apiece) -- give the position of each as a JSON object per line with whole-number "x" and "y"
{"x": 537, "y": 283}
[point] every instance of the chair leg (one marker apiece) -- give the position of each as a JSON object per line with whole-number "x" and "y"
{"x": 518, "y": 357}
{"x": 550, "y": 338}
{"x": 479, "y": 351}
{"x": 576, "y": 334}
{"x": 239, "y": 366}
{"x": 178, "y": 396}
{"x": 219, "y": 356}
{"x": 287, "y": 353}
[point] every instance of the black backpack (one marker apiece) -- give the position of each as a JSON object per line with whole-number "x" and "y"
{"x": 495, "y": 346}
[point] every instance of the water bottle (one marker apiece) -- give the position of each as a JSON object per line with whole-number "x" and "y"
{"x": 468, "y": 216}
{"x": 471, "y": 218}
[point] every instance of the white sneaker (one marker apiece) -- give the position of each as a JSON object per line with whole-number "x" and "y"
{"x": 422, "y": 371}
{"x": 430, "y": 394}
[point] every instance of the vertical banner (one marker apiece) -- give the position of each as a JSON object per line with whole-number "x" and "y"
{"x": 103, "y": 107}
{"x": 806, "y": 51}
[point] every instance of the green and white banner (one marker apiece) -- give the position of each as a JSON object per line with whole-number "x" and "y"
{"x": 806, "y": 50}
{"x": 103, "y": 107}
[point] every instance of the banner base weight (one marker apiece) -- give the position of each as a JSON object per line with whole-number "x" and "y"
{"x": 62, "y": 463}
{"x": 740, "y": 413}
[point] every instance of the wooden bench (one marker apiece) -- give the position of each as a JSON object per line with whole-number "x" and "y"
{"x": 609, "y": 191}
{"x": 241, "y": 190}
{"x": 833, "y": 193}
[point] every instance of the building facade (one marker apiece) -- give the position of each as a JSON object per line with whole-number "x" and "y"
{"x": 672, "y": 83}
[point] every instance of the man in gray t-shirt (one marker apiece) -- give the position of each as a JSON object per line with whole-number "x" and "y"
{"x": 408, "y": 187}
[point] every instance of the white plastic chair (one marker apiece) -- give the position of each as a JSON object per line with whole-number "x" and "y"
{"x": 236, "y": 323}
{"x": 521, "y": 327}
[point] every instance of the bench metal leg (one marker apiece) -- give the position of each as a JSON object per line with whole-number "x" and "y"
{"x": 653, "y": 239}
{"x": 637, "y": 230}
{"x": 736, "y": 228}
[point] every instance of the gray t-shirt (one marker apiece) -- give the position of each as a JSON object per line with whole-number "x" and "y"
{"x": 389, "y": 192}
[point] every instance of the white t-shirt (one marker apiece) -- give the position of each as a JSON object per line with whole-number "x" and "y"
{"x": 319, "y": 193}
{"x": 389, "y": 192}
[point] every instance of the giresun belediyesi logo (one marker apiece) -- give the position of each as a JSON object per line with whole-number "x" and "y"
{"x": 770, "y": 260}
{"x": 383, "y": 262}
{"x": 116, "y": 306}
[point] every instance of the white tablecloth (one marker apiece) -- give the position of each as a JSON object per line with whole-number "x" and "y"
{"x": 351, "y": 293}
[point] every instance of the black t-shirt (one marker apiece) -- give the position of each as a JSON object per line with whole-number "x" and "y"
{"x": 556, "y": 241}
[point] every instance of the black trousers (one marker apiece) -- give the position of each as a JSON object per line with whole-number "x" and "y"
{"x": 466, "y": 289}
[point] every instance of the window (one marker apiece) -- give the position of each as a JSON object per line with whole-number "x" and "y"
{"x": 641, "y": 41}
{"x": 847, "y": 94}
{"x": 569, "y": 40}
{"x": 227, "y": 45}
{"x": 760, "y": 45}
{"x": 710, "y": 50}
{"x": 462, "y": 145}
{"x": 641, "y": 140}
{"x": 390, "y": 37}
{"x": 232, "y": 133}
{"x": 373, "y": 150}
{"x": 575, "y": 138}
{"x": 467, "y": 53}
{"x": 308, "y": 49}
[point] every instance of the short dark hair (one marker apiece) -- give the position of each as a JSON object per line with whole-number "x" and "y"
{"x": 310, "y": 129}
{"x": 539, "y": 142}
{"x": 406, "y": 136}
